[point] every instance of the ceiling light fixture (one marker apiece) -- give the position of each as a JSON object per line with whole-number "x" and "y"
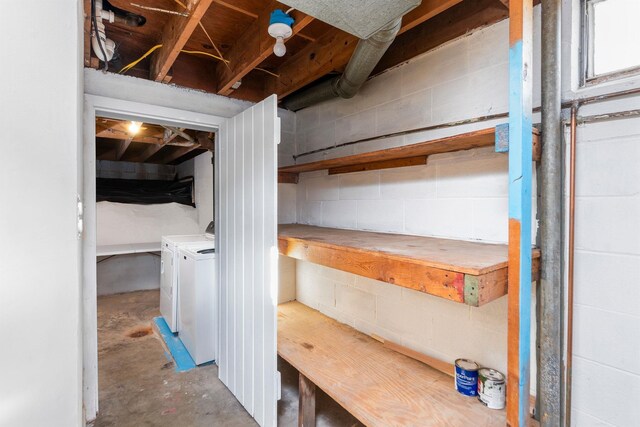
{"x": 280, "y": 29}
{"x": 134, "y": 127}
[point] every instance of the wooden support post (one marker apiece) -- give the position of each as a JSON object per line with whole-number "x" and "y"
{"x": 307, "y": 403}
{"x": 520, "y": 199}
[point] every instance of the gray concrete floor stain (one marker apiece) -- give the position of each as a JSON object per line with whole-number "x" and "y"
{"x": 139, "y": 386}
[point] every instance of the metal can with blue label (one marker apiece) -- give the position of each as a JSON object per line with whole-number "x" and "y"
{"x": 466, "y": 377}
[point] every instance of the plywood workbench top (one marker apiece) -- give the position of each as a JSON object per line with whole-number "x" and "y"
{"x": 377, "y": 385}
{"x": 469, "y": 272}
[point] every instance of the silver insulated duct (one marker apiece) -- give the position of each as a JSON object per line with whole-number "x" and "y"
{"x": 370, "y": 21}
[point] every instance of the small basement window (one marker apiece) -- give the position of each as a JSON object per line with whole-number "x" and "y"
{"x": 610, "y": 39}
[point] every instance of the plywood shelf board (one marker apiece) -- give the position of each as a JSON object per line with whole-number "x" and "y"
{"x": 407, "y": 155}
{"x": 377, "y": 385}
{"x": 468, "y": 272}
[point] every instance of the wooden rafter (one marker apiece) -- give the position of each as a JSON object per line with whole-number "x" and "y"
{"x": 453, "y": 23}
{"x": 176, "y": 34}
{"x": 232, "y": 6}
{"x": 253, "y": 47}
{"x": 333, "y": 49}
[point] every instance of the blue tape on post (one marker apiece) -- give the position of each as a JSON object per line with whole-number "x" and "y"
{"x": 180, "y": 355}
{"x": 502, "y": 138}
{"x": 520, "y": 200}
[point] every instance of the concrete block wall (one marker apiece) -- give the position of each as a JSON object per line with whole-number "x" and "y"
{"x": 606, "y": 352}
{"x": 130, "y": 170}
{"x": 456, "y": 195}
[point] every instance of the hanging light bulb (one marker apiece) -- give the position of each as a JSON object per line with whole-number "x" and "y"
{"x": 280, "y": 29}
{"x": 279, "y": 48}
{"x": 134, "y": 127}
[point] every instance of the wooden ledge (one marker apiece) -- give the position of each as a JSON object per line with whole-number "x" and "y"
{"x": 410, "y": 155}
{"x": 472, "y": 273}
{"x": 379, "y": 386}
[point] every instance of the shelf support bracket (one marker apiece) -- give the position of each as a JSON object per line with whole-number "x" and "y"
{"x": 520, "y": 200}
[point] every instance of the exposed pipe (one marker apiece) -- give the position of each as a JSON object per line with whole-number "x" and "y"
{"x": 550, "y": 320}
{"x": 572, "y": 220}
{"x": 362, "y": 62}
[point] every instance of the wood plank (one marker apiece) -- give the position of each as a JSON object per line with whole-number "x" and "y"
{"x": 442, "y": 366}
{"x": 452, "y": 23}
{"x": 439, "y": 267}
{"x": 175, "y": 36}
{"x": 307, "y": 402}
{"x": 287, "y": 178}
{"x": 384, "y": 164}
{"x": 407, "y": 155}
{"x": 425, "y": 11}
{"x": 253, "y": 47}
{"x": 465, "y": 141}
{"x": 377, "y": 385}
{"x": 332, "y": 51}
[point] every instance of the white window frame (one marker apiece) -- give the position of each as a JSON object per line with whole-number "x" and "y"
{"x": 588, "y": 76}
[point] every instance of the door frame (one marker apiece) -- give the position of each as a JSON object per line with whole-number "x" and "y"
{"x": 126, "y": 110}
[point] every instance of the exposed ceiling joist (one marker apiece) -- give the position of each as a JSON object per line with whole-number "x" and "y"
{"x": 232, "y": 6}
{"x": 176, "y": 154}
{"x": 453, "y": 23}
{"x": 505, "y": 3}
{"x": 176, "y": 34}
{"x": 122, "y": 147}
{"x": 147, "y": 153}
{"x": 332, "y": 51}
{"x": 253, "y": 47}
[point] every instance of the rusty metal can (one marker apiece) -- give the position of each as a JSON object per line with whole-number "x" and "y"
{"x": 466, "y": 377}
{"x": 491, "y": 388}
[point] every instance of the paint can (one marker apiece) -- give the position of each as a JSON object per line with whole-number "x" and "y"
{"x": 491, "y": 388}
{"x": 466, "y": 377}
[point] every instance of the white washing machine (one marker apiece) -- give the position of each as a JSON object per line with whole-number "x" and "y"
{"x": 198, "y": 301}
{"x": 169, "y": 280}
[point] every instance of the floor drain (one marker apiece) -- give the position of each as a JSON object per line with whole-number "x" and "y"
{"x": 140, "y": 332}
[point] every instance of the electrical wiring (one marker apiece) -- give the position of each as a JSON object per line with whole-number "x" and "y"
{"x": 291, "y": 9}
{"x": 134, "y": 63}
{"x": 190, "y": 52}
{"x": 226, "y": 63}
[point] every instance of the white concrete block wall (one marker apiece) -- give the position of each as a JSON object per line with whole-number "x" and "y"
{"x": 606, "y": 353}
{"x": 456, "y": 195}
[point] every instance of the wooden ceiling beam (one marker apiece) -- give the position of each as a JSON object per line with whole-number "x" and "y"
{"x": 254, "y": 46}
{"x": 231, "y": 6}
{"x": 176, "y": 34}
{"x": 455, "y": 22}
{"x": 176, "y": 154}
{"x": 122, "y": 147}
{"x": 334, "y": 48}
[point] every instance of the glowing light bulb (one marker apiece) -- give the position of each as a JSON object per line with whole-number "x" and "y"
{"x": 279, "y": 48}
{"x": 134, "y": 127}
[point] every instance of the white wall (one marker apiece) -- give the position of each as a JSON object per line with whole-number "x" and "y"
{"x": 606, "y": 352}
{"x": 458, "y": 195}
{"x": 121, "y": 223}
{"x": 203, "y": 174}
{"x": 40, "y": 361}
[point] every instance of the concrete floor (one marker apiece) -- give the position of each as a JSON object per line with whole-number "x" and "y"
{"x": 138, "y": 385}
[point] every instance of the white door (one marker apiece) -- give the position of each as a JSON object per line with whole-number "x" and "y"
{"x": 246, "y": 243}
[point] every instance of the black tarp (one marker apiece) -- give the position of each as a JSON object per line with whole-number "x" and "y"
{"x": 145, "y": 192}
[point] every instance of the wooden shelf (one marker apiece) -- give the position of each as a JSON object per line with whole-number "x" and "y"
{"x": 472, "y": 273}
{"x": 408, "y": 155}
{"x": 377, "y": 385}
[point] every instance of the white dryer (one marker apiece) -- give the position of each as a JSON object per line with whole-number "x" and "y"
{"x": 198, "y": 301}
{"x": 169, "y": 280}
